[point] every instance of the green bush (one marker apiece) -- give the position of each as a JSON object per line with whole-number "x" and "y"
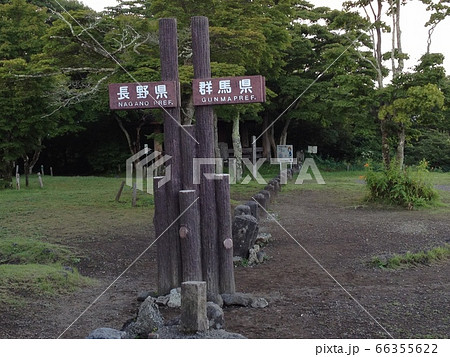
{"x": 403, "y": 187}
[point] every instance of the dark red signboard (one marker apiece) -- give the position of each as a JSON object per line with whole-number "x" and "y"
{"x": 229, "y": 90}
{"x": 143, "y": 95}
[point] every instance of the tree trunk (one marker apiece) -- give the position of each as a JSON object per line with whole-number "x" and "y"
{"x": 237, "y": 147}
{"x": 401, "y": 146}
{"x": 266, "y": 140}
{"x": 5, "y": 174}
{"x": 127, "y": 135}
{"x": 189, "y": 112}
{"x": 284, "y": 132}
{"x": 272, "y": 140}
{"x": 385, "y": 144}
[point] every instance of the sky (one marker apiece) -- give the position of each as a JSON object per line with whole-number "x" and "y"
{"x": 413, "y": 20}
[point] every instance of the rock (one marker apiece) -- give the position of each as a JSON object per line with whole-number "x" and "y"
{"x": 252, "y": 257}
{"x": 261, "y": 199}
{"x": 106, "y": 333}
{"x": 261, "y": 256}
{"x": 148, "y": 320}
{"x": 263, "y": 238}
{"x": 266, "y": 195}
{"x": 162, "y": 300}
{"x": 215, "y": 316}
{"x": 253, "y": 208}
{"x": 259, "y": 303}
{"x": 237, "y": 259}
{"x": 237, "y": 299}
{"x": 242, "y": 209}
{"x": 245, "y": 231}
{"x": 174, "y": 298}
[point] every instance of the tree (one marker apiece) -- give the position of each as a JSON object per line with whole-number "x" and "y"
{"x": 414, "y": 106}
{"x": 23, "y": 95}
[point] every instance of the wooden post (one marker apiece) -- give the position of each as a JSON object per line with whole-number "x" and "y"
{"x": 17, "y": 178}
{"x": 134, "y": 199}
{"x": 51, "y": 171}
{"x": 188, "y": 153}
{"x": 172, "y": 126}
{"x": 120, "y": 191}
{"x": 193, "y": 307}
{"x": 225, "y": 238}
{"x": 254, "y": 155}
{"x": 42, "y": 170}
{"x": 160, "y": 221}
{"x": 190, "y": 236}
{"x": 40, "y": 180}
{"x": 205, "y": 135}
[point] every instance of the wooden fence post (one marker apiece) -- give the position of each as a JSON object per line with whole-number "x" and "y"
{"x": 205, "y": 136}
{"x": 134, "y": 198}
{"x": 40, "y": 180}
{"x": 225, "y": 240}
{"x": 120, "y": 191}
{"x": 190, "y": 236}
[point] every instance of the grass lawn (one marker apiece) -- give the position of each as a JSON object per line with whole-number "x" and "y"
{"x": 38, "y": 226}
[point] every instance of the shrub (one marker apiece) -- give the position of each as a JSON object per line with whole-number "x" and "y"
{"x": 403, "y": 187}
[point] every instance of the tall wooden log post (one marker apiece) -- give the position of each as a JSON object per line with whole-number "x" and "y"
{"x": 226, "y": 266}
{"x": 172, "y": 127}
{"x": 190, "y": 236}
{"x": 161, "y": 222}
{"x": 205, "y": 136}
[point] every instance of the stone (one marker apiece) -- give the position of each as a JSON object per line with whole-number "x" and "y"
{"x": 193, "y": 307}
{"x": 106, "y": 333}
{"x": 237, "y": 299}
{"x": 242, "y": 209}
{"x": 259, "y": 303}
{"x": 261, "y": 256}
{"x": 252, "y": 257}
{"x": 266, "y": 195}
{"x": 215, "y": 316}
{"x": 174, "y": 299}
{"x": 148, "y": 320}
{"x": 237, "y": 259}
{"x": 263, "y": 238}
{"x": 162, "y": 300}
{"x": 253, "y": 208}
{"x": 261, "y": 199}
{"x": 245, "y": 231}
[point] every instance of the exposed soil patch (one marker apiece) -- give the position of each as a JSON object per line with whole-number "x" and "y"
{"x": 304, "y": 301}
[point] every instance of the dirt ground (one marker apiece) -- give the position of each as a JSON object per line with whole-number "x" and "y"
{"x": 325, "y": 236}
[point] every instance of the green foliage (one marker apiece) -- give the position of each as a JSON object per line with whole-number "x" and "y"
{"x": 33, "y": 251}
{"x": 412, "y": 259}
{"x": 41, "y": 279}
{"x": 434, "y": 146}
{"x": 408, "y": 188}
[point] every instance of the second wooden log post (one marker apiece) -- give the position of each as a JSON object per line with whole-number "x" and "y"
{"x": 205, "y": 136}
